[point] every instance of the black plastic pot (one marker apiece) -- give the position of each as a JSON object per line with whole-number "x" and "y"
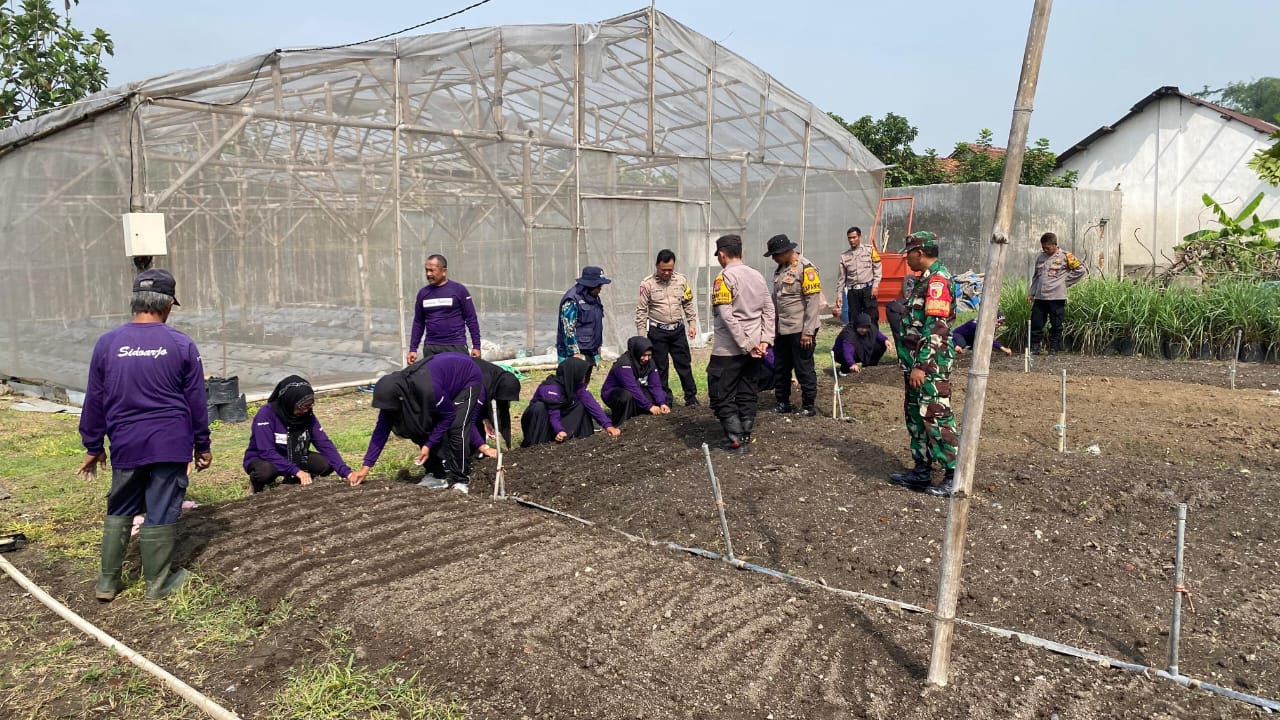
{"x": 1253, "y": 352}
{"x": 236, "y": 411}
{"x": 1205, "y": 352}
{"x": 1127, "y": 347}
{"x": 1173, "y": 350}
{"x": 222, "y": 391}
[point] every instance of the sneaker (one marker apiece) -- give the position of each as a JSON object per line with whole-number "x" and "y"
{"x": 842, "y": 373}
{"x": 461, "y": 487}
{"x": 431, "y": 482}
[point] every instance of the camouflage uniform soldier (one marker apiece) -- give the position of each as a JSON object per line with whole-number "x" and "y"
{"x": 927, "y": 355}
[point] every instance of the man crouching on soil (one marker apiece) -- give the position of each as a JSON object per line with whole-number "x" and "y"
{"x": 146, "y": 393}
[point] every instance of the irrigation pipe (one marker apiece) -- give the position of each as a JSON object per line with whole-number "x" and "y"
{"x": 1266, "y": 704}
{"x": 188, "y": 693}
{"x": 715, "y": 492}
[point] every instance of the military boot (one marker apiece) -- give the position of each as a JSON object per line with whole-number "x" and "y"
{"x": 115, "y": 540}
{"x": 733, "y": 435}
{"x": 747, "y": 425}
{"x": 156, "y": 543}
{"x": 946, "y": 488}
{"x": 916, "y": 478}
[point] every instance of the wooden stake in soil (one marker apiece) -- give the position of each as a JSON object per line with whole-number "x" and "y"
{"x": 1026, "y": 355}
{"x": 1062, "y": 417}
{"x": 499, "y": 475}
{"x": 715, "y": 492}
{"x": 1235, "y": 357}
{"x": 944, "y": 618}
{"x": 837, "y": 402}
{"x": 1175, "y": 623}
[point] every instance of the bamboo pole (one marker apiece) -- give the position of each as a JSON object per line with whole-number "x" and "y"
{"x": 1235, "y": 358}
{"x": 1026, "y": 355}
{"x": 1062, "y": 416}
{"x": 715, "y": 491}
{"x": 167, "y": 680}
{"x": 1175, "y": 622}
{"x": 499, "y": 475}
{"x": 397, "y": 235}
{"x": 975, "y": 400}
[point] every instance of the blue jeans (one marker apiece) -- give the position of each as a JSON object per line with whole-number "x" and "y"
{"x": 157, "y": 489}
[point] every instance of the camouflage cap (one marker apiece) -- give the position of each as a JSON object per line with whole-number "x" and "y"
{"x": 920, "y": 239}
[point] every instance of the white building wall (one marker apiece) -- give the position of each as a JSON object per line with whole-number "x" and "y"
{"x": 1164, "y": 159}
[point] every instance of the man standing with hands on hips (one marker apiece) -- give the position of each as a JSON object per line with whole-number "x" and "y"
{"x": 668, "y": 317}
{"x": 146, "y": 395}
{"x": 742, "y": 323}
{"x": 442, "y": 315}
{"x": 797, "y": 291}
{"x": 860, "y": 274}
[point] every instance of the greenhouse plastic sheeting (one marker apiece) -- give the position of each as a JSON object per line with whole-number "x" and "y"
{"x": 302, "y": 191}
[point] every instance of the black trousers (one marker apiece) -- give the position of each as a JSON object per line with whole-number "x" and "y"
{"x": 671, "y": 347}
{"x": 862, "y": 301}
{"x": 262, "y": 473}
{"x": 1055, "y": 312}
{"x": 623, "y": 405}
{"x": 894, "y": 312}
{"x": 731, "y": 386}
{"x": 866, "y": 360}
{"x": 788, "y": 357}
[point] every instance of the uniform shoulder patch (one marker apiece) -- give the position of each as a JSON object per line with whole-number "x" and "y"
{"x": 875, "y": 256}
{"x": 720, "y": 292}
{"x": 1072, "y": 262}
{"x": 812, "y": 283}
{"x": 937, "y": 299}
{"x": 688, "y": 292}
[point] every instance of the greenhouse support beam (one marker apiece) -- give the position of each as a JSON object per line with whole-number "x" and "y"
{"x": 201, "y": 161}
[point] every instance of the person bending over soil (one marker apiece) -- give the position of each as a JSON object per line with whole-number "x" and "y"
{"x": 634, "y": 385}
{"x": 562, "y": 407}
{"x": 284, "y": 431}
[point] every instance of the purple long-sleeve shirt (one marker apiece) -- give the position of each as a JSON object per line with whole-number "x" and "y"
{"x": 451, "y": 373}
{"x": 969, "y": 331}
{"x": 623, "y": 376}
{"x": 269, "y": 431}
{"x": 844, "y": 348}
{"x": 146, "y": 393}
{"x": 443, "y": 315}
{"x": 551, "y": 394}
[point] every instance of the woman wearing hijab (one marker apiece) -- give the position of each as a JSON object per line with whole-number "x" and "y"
{"x": 633, "y": 385}
{"x": 500, "y": 385}
{"x": 432, "y": 403}
{"x": 562, "y": 407}
{"x": 859, "y": 345}
{"x": 964, "y": 336}
{"x": 284, "y": 430}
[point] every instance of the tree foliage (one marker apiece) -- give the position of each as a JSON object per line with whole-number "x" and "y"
{"x": 45, "y": 61}
{"x": 1267, "y": 162}
{"x": 890, "y": 138}
{"x": 1234, "y": 249}
{"x": 1258, "y": 98}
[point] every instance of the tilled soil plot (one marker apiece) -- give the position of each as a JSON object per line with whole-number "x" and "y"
{"x": 519, "y": 613}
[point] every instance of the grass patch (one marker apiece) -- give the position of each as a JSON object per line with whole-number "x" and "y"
{"x": 217, "y": 618}
{"x": 343, "y": 688}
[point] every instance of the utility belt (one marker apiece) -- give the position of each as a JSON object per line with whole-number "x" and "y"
{"x": 859, "y": 286}
{"x": 666, "y": 326}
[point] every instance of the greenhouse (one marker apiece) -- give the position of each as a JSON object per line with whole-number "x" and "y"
{"x": 302, "y": 190}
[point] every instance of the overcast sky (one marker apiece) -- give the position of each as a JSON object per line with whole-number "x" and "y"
{"x": 950, "y": 67}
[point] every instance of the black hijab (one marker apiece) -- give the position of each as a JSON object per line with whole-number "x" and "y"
{"x": 287, "y": 396}
{"x": 504, "y": 387}
{"x": 636, "y": 347}
{"x": 570, "y": 375}
{"x": 863, "y": 345}
{"x": 406, "y": 397}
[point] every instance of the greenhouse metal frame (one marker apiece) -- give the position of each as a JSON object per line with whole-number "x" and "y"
{"x": 302, "y": 191}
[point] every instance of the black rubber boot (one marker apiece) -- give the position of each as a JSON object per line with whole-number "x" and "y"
{"x": 748, "y": 424}
{"x": 808, "y": 411}
{"x": 915, "y": 478}
{"x": 946, "y": 488}
{"x": 115, "y": 539}
{"x": 783, "y": 408}
{"x": 156, "y": 543}
{"x": 733, "y": 435}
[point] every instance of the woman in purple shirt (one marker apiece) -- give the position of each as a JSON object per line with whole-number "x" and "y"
{"x": 432, "y": 403}
{"x": 859, "y": 345}
{"x": 633, "y": 385}
{"x": 562, "y": 407}
{"x": 284, "y": 430}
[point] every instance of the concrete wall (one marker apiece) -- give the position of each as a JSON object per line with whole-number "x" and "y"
{"x": 1164, "y": 158}
{"x": 963, "y": 216}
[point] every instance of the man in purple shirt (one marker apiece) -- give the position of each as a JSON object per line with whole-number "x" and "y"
{"x": 432, "y": 403}
{"x": 442, "y": 315}
{"x": 146, "y": 394}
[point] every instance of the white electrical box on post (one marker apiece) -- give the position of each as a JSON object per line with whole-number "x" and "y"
{"x": 144, "y": 234}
